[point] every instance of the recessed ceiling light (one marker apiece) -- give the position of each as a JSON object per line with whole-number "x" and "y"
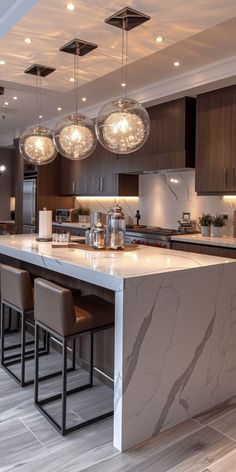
{"x": 72, "y": 79}
{"x": 2, "y": 63}
{"x": 84, "y": 99}
{"x": 6, "y": 103}
{"x": 176, "y": 63}
{"x": 40, "y": 117}
{"x": 70, "y": 6}
{"x": 15, "y": 98}
{"x": 28, "y": 40}
{"x": 123, "y": 84}
{"x": 159, "y": 39}
{"x": 59, "y": 108}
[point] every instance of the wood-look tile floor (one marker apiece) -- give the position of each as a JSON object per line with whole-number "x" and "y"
{"x": 28, "y": 443}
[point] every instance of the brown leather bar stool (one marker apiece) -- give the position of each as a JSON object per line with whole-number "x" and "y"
{"x": 9, "y": 329}
{"x": 17, "y": 294}
{"x": 55, "y": 312}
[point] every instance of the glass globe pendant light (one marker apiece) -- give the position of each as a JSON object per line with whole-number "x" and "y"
{"x": 74, "y": 136}
{"x": 36, "y": 143}
{"x": 123, "y": 124}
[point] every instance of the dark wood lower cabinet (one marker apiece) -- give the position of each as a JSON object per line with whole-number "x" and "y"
{"x": 204, "y": 249}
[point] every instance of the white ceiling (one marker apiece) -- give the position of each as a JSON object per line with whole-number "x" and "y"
{"x": 198, "y": 33}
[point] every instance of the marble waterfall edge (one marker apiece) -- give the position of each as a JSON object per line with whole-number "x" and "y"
{"x": 178, "y": 356}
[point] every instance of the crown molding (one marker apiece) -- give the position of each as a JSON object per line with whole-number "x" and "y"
{"x": 14, "y": 13}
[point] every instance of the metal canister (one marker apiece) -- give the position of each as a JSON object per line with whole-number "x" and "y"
{"x": 99, "y": 236}
{"x": 116, "y": 228}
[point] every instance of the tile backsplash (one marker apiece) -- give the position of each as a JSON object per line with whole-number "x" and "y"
{"x": 162, "y": 199}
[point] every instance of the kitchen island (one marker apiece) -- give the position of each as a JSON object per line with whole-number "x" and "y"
{"x": 175, "y": 328}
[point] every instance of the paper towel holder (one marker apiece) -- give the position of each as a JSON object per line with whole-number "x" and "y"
{"x": 44, "y": 240}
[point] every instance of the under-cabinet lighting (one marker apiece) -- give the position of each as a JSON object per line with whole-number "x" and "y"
{"x": 176, "y": 63}
{"x": 28, "y": 40}
{"x": 229, "y": 197}
{"x": 134, "y": 199}
{"x": 2, "y": 63}
{"x": 70, "y": 6}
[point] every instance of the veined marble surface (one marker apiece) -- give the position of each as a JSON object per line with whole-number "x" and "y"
{"x": 225, "y": 241}
{"x": 178, "y": 350}
{"x": 74, "y": 224}
{"x": 105, "y": 268}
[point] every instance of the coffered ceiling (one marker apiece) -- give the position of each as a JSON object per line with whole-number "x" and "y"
{"x": 196, "y": 33}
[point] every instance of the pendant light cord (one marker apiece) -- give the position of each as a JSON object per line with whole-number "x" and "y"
{"x": 38, "y": 96}
{"x": 124, "y": 54}
{"x": 76, "y": 78}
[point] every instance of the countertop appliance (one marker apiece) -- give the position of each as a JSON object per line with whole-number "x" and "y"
{"x": 150, "y": 236}
{"x": 65, "y": 214}
{"x": 29, "y": 205}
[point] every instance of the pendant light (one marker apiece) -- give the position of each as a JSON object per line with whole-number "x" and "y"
{"x": 36, "y": 143}
{"x": 123, "y": 124}
{"x": 74, "y": 136}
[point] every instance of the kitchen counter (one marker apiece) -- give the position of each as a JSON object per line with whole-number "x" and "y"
{"x": 108, "y": 268}
{"x": 75, "y": 225}
{"x": 175, "y": 328}
{"x": 225, "y": 241}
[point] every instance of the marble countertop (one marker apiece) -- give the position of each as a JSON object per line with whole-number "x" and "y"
{"x": 225, "y": 241}
{"x": 108, "y": 269}
{"x": 66, "y": 224}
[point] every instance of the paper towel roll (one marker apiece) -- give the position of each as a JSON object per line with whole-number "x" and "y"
{"x": 45, "y": 224}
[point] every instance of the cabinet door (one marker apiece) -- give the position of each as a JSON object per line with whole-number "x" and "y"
{"x": 213, "y": 142}
{"x": 73, "y": 177}
{"x": 233, "y": 143}
{"x": 102, "y": 177}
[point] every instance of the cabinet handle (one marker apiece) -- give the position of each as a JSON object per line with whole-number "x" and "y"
{"x": 73, "y": 186}
{"x": 98, "y": 186}
{"x": 102, "y": 182}
{"x": 233, "y": 177}
{"x": 225, "y": 178}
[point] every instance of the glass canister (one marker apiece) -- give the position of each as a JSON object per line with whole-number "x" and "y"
{"x": 99, "y": 236}
{"x": 115, "y": 228}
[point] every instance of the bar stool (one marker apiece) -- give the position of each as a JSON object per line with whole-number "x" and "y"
{"x": 9, "y": 329}
{"x": 56, "y": 313}
{"x": 17, "y": 294}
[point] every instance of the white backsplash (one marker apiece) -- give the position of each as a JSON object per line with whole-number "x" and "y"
{"x": 163, "y": 198}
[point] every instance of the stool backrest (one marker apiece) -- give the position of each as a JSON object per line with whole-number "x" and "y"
{"x": 16, "y": 287}
{"x": 53, "y": 306}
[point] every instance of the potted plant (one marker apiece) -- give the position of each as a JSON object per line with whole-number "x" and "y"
{"x": 205, "y": 222}
{"x": 218, "y": 223}
{"x": 83, "y": 213}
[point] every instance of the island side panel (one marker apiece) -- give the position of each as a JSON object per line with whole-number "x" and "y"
{"x": 177, "y": 357}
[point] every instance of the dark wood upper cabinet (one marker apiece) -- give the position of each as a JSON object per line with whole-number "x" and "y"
{"x": 171, "y": 143}
{"x": 96, "y": 176}
{"x": 216, "y": 142}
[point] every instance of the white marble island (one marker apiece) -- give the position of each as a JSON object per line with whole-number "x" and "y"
{"x": 175, "y": 328}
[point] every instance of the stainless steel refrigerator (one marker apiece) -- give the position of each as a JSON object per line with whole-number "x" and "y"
{"x": 29, "y": 205}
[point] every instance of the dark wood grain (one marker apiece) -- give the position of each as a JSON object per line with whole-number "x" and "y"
{"x": 215, "y": 142}
{"x": 171, "y": 143}
{"x": 204, "y": 249}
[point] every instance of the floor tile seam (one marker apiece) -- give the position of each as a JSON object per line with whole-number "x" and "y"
{"x": 30, "y": 430}
{"x": 222, "y": 434}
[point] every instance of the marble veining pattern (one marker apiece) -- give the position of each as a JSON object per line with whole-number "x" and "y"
{"x": 178, "y": 353}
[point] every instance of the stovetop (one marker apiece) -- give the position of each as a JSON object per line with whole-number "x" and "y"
{"x": 152, "y": 230}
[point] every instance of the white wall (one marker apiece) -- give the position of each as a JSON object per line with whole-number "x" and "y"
{"x": 162, "y": 201}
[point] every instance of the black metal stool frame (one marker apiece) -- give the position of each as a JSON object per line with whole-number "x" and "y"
{"x": 63, "y": 396}
{"x": 23, "y": 355}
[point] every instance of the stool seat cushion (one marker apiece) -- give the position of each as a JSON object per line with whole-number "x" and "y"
{"x": 54, "y": 308}
{"x": 93, "y": 312}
